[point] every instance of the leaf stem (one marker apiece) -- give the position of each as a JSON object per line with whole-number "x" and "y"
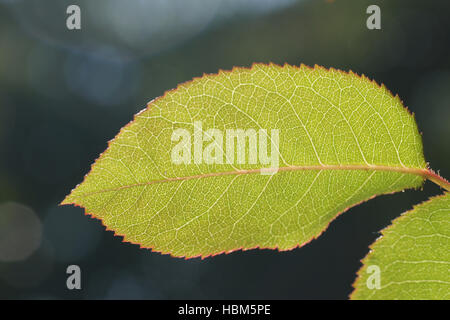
{"x": 437, "y": 179}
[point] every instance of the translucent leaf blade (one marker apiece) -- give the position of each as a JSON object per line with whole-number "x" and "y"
{"x": 413, "y": 256}
{"x": 342, "y": 139}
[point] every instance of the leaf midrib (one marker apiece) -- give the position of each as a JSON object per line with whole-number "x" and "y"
{"x": 425, "y": 173}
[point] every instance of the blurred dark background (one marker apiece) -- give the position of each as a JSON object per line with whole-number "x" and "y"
{"x": 64, "y": 94}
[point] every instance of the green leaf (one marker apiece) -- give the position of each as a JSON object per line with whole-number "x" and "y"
{"x": 413, "y": 256}
{"x": 342, "y": 139}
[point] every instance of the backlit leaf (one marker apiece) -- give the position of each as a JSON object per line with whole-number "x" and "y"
{"x": 412, "y": 256}
{"x": 342, "y": 139}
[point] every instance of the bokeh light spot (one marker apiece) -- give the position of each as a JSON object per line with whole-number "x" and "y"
{"x": 20, "y": 232}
